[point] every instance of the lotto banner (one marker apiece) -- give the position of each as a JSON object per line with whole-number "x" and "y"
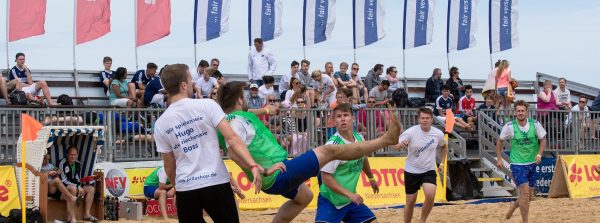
{"x": 575, "y": 177}
{"x": 9, "y": 193}
{"x": 137, "y": 178}
{"x": 388, "y": 171}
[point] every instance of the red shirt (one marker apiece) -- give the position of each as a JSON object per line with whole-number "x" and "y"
{"x": 466, "y": 105}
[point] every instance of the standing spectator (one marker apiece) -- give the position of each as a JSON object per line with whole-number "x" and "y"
{"x": 214, "y": 63}
{"x": 329, "y": 72}
{"x": 267, "y": 88}
{"x": 443, "y": 102}
{"x": 285, "y": 82}
{"x": 373, "y": 78}
{"x": 360, "y": 85}
{"x": 140, "y": 80}
{"x": 260, "y": 63}
{"x": 503, "y": 76}
{"x": 255, "y": 101}
{"x": 106, "y": 74}
{"x": 392, "y": 77}
{"x": 466, "y": 105}
{"x": 306, "y": 80}
{"x": 203, "y": 64}
{"x": 489, "y": 87}
{"x": 343, "y": 78}
{"x": 433, "y": 86}
{"x": 380, "y": 93}
{"x": 546, "y": 99}
{"x": 206, "y": 83}
{"x": 457, "y": 90}
{"x": 118, "y": 90}
{"x": 20, "y": 78}
{"x": 324, "y": 86}
{"x": 563, "y": 95}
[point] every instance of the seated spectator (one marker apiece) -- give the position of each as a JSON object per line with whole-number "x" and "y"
{"x": 254, "y": 101}
{"x": 206, "y": 83}
{"x": 300, "y": 92}
{"x": 4, "y": 90}
{"x": 305, "y": 79}
{"x": 20, "y": 78}
{"x": 107, "y": 74}
{"x": 582, "y": 117}
{"x": 360, "y": 89}
{"x": 294, "y": 141}
{"x": 344, "y": 80}
{"x": 324, "y": 87}
{"x": 272, "y": 109}
{"x": 563, "y": 95}
{"x": 140, "y": 80}
{"x": 466, "y": 105}
{"x": 56, "y": 188}
{"x": 489, "y": 104}
{"x": 301, "y": 116}
{"x": 214, "y": 63}
{"x": 220, "y": 78}
{"x": 118, "y": 90}
{"x": 372, "y": 79}
{"x": 596, "y": 103}
{"x": 267, "y": 88}
{"x": 70, "y": 170}
{"x": 455, "y": 84}
{"x": 157, "y": 186}
{"x": 197, "y": 74}
{"x": 546, "y": 99}
{"x": 370, "y": 117}
{"x": 213, "y": 94}
{"x": 443, "y": 102}
{"x": 457, "y": 121}
{"x": 152, "y": 93}
{"x": 285, "y": 83}
{"x": 433, "y": 86}
{"x": 380, "y": 93}
{"x": 329, "y": 72}
{"x": 392, "y": 77}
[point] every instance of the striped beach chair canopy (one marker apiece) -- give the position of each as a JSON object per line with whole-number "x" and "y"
{"x": 55, "y": 140}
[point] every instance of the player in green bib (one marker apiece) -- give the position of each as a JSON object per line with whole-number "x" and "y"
{"x": 527, "y": 142}
{"x": 282, "y": 176}
{"x": 338, "y": 200}
{"x": 158, "y": 186}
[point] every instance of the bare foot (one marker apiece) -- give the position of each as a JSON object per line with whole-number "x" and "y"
{"x": 513, "y": 206}
{"x": 393, "y": 132}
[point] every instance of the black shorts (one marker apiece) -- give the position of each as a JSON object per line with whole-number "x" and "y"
{"x": 56, "y": 195}
{"x": 217, "y": 201}
{"x": 413, "y": 181}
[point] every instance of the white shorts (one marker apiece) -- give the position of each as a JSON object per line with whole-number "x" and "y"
{"x": 158, "y": 99}
{"x": 31, "y": 90}
{"x": 121, "y": 102}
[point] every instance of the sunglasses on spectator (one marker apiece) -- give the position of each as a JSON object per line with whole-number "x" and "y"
{"x": 354, "y": 68}
{"x": 582, "y": 101}
{"x": 215, "y": 65}
{"x": 299, "y": 102}
{"x": 254, "y": 89}
{"x": 371, "y": 101}
{"x": 272, "y": 100}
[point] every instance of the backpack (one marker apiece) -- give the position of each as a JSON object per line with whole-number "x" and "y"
{"x": 400, "y": 98}
{"x": 18, "y": 97}
{"x": 33, "y": 215}
{"x": 415, "y": 102}
{"x": 64, "y": 99}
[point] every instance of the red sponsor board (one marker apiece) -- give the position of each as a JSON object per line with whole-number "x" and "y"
{"x": 153, "y": 209}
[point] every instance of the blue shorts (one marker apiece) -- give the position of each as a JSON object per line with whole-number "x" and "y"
{"x": 503, "y": 91}
{"x": 327, "y": 212}
{"x": 523, "y": 174}
{"x": 297, "y": 171}
{"x": 149, "y": 191}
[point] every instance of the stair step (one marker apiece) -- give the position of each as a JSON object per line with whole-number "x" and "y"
{"x": 482, "y": 169}
{"x": 497, "y": 189}
{"x": 489, "y": 179}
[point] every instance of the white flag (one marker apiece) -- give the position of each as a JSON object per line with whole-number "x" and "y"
{"x": 264, "y": 20}
{"x": 503, "y": 25}
{"x": 319, "y": 20}
{"x": 368, "y": 22}
{"x": 418, "y": 22}
{"x": 462, "y": 24}
{"x": 211, "y": 19}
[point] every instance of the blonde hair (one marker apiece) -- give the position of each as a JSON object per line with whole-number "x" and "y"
{"x": 501, "y": 67}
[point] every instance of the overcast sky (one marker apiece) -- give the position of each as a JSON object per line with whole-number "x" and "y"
{"x": 561, "y": 38}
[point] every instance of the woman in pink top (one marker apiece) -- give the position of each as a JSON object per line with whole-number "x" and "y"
{"x": 502, "y": 81}
{"x": 546, "y": 99}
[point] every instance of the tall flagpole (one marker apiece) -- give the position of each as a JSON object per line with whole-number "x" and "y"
{"x": 195, "y": 56}
{"x": 135, "y": 33}
{"x": 75, "y": 76}
{"x": 448, "y": 60}
{"x": 491, "y": 62}
{"x": 304, "y": 52}
{"x": 354, "y": 55}
{"x": 404, "y": 69}
{"x": 7, "y": 30}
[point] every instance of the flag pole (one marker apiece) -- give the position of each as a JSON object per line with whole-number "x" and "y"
{"x": 7, "y": 30}
{"x": 304, "y": 53}
{"x": 74, "y": 52}
{"x": 448, "y": 60}
{"x": 404, "y": 69}
{"x": 135, "y": 34}
{"x": 195, "y": 56}
{"x": 23, "y": 180}
{"x": 354, "y": 55}
{"x": 491, "y": 62}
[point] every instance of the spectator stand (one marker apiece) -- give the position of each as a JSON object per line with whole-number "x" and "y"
{"x": 56, "y": 140}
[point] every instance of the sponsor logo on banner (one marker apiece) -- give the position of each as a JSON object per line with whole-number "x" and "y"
{"x": 543, "y": 175}
{"x": 578, "y": 175}
{"x": 9, "y": 193}
{"x": 116, "y": 182}
{"x": 137, "y": 177}
{"x": 153, "y": 209}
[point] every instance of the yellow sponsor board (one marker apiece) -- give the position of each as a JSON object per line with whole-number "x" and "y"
{"x": 388, "y": 171}
{"x": 575, "y": 177}
{"x": 136, "y": 178}
{"x": 9, "y": 193}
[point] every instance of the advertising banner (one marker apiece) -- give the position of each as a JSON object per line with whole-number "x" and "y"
{"x": 136, "y": 178}
{"x": 575, "y": 177}
{"x": 9, "y": 193}
{"x": 543, "y": 175}
{"x": 116, "y": 182}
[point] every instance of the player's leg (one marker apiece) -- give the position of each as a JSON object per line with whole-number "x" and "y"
{"x": 411, "y": 199}
{"x": 161, "y": 195}
{"x": 222, "y": 207}
{"x": 190, "y": 205}
{"x": 359, "y": 213}
{"x": 429, "y": 190}
{"x": 292, "y": 208}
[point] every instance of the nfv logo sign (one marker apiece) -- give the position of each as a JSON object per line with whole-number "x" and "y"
{"x": 578, "y": 176}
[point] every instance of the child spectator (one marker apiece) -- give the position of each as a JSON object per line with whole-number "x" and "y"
{"x": 267, "y": 88}
{"x": 444, "y": 101}
{"x": 466, "y": 105}
{"x": 107, "y": 74}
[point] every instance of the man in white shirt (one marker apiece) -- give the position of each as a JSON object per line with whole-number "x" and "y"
{"x": 324, "y": 86}
{"x": 563, "y": 95}
{"x": 206, "y": 83}
{"x": 267, "y": 89}
{"x": 186, "y": 135}
{"x": 582, "y": 118}
{"x": 284, "y": 83}
{"x": 260, "y": 63}
{"x": 421, "y": 141}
